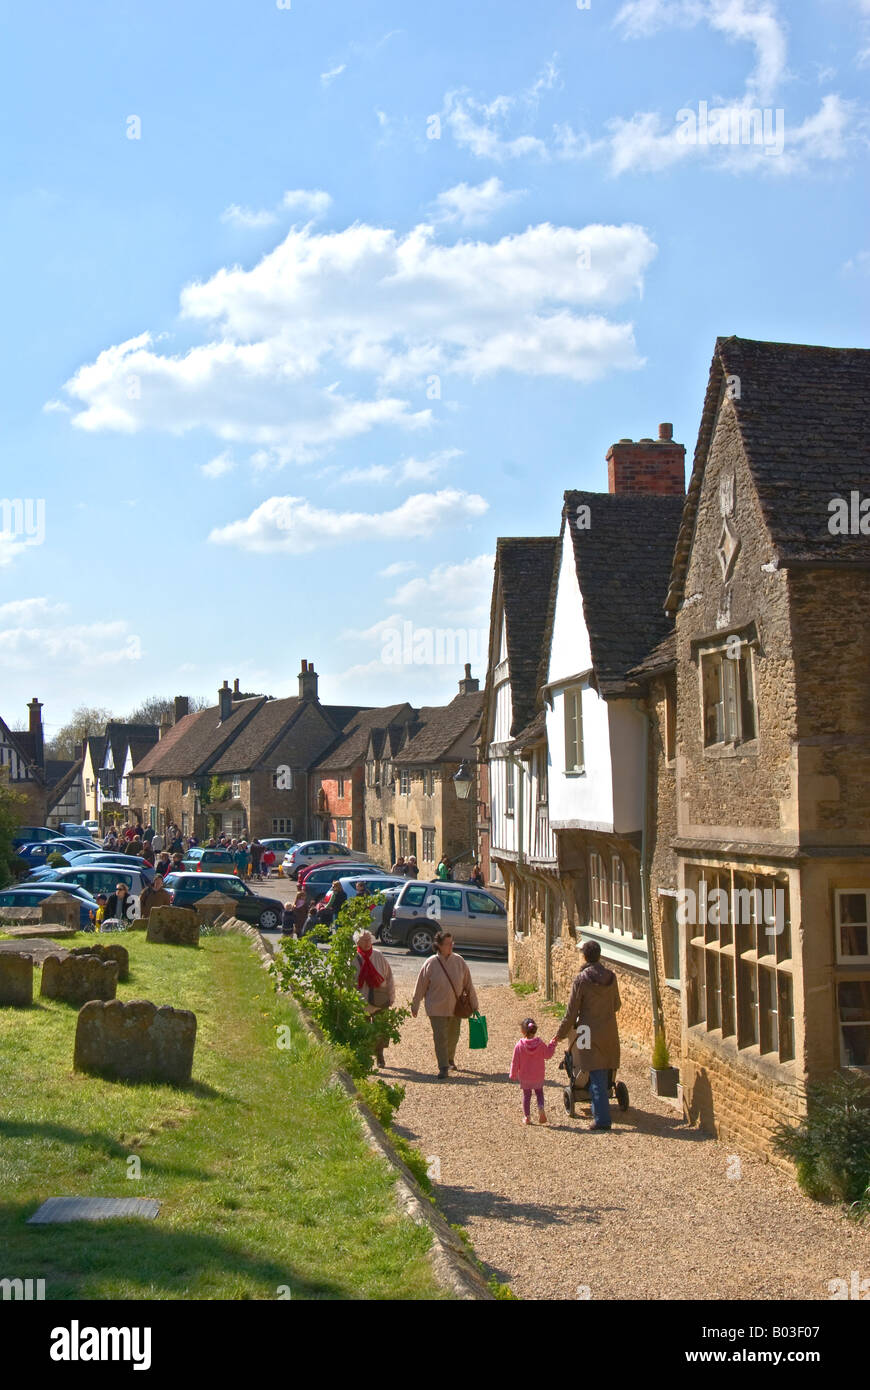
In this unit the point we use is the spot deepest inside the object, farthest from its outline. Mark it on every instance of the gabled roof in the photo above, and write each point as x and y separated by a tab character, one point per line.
96	745
60	775
441	729
341	715
22	741
623	560
192	744
350	749
803	414
526	570
251	744
663	657
119	734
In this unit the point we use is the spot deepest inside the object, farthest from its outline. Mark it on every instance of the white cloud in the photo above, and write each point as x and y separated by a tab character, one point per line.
858	264
472	204
397	568
220	465
389	307
457	591
327	77
27	612
750	21
246	217
377	473
480	128
407	470
27	646
293	524
56	408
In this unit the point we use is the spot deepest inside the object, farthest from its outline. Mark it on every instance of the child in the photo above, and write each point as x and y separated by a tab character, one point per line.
267	860
101	901
528	1066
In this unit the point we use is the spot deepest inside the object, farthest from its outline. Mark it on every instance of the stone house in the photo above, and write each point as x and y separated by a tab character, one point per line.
260	750
338	783
123	745
770	592
412	806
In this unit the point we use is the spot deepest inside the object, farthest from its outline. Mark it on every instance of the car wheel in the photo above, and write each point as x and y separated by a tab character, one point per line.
389	935
268	919
421	941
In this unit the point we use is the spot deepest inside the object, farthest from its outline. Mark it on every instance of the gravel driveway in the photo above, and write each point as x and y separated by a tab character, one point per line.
647	1211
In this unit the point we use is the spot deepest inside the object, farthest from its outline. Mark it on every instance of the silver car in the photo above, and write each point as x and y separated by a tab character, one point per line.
477	919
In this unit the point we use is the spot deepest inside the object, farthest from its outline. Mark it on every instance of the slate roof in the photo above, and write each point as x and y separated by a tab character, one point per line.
803	414
351	748
623	561
59	777
534	732
97	745
251	744
663	657
441	728
526	569
195	740
119	734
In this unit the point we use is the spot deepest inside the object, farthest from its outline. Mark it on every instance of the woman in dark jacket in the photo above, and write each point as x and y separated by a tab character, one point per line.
118	903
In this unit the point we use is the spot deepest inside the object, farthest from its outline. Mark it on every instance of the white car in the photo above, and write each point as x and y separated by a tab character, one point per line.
92	825
309	852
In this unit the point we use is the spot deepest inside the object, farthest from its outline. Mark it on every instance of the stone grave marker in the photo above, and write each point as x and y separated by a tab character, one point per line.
76	979
16	978
135	1041
108	952
173	926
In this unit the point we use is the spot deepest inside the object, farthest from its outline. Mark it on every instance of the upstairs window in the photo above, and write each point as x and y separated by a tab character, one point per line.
510	789
852	921
404	783
728	694
341	786
574	730
237	787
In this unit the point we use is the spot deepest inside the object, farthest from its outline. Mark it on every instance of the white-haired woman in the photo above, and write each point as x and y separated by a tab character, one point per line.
374	980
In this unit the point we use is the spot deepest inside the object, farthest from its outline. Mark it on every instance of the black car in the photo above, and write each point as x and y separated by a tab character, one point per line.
260	911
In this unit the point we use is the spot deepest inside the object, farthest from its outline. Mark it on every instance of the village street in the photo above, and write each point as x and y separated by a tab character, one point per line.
652	1210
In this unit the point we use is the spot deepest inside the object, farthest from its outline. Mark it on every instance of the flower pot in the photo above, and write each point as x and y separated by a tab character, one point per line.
664	1081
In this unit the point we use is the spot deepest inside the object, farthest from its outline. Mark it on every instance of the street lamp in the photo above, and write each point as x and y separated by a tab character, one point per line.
463	782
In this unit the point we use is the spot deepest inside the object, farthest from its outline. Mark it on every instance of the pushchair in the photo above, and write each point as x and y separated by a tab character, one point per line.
578	1084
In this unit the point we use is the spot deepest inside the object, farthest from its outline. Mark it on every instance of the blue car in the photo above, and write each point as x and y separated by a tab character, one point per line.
37	851
33	895
26	834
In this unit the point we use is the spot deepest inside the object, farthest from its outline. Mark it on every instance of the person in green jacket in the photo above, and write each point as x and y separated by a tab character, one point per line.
445	868
242	859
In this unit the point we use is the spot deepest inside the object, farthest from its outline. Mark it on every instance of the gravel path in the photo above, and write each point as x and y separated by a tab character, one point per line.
646	1211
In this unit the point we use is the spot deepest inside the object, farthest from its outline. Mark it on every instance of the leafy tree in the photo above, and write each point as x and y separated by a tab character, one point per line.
831	1145
11	806
86	721
152	710
215	791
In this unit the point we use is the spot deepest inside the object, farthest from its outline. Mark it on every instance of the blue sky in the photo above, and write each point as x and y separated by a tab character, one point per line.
305	306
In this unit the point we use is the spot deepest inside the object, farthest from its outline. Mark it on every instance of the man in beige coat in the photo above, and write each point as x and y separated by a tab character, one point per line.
592	1011
440	982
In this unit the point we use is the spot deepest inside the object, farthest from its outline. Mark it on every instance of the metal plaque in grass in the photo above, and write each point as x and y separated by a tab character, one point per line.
57	1209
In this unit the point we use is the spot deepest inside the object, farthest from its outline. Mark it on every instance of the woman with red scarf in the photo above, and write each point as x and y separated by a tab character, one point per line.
374	980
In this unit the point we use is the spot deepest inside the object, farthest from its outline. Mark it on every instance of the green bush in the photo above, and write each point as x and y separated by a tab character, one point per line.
830	1147
56	860
324	982
381	1098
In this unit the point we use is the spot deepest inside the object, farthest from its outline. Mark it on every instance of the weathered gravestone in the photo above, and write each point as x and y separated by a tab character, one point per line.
16	978
113	952
78	978
135	1041
31	916
173	926
62	909
214	905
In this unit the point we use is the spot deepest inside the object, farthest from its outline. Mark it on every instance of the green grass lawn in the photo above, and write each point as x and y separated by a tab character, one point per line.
263	1174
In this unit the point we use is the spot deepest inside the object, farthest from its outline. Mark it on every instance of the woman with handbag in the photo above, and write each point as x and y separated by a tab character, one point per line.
446	985
374	980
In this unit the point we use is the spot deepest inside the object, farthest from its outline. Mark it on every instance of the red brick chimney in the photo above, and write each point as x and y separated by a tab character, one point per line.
308	681
650	465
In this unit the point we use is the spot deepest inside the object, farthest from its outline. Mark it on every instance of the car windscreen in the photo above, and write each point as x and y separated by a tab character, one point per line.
415	894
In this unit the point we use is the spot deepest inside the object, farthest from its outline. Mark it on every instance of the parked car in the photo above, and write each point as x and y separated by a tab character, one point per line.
386	884
71	828
32	895
37	851
212	861
98	880
477	919
99	860
91	825
187	888
28	834
321	876
280	846
309	852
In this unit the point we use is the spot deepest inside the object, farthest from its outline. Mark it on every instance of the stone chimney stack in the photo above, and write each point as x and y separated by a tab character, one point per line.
225	702
308	681
236	691
35	711
649	466
182	707
470	684
165	724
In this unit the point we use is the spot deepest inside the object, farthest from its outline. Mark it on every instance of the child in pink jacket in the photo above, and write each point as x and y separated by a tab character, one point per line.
529	1065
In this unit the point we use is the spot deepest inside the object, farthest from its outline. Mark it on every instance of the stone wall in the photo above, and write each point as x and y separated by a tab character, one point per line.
737	1100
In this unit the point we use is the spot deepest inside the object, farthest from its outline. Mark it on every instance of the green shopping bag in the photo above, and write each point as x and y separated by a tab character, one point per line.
478	1035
